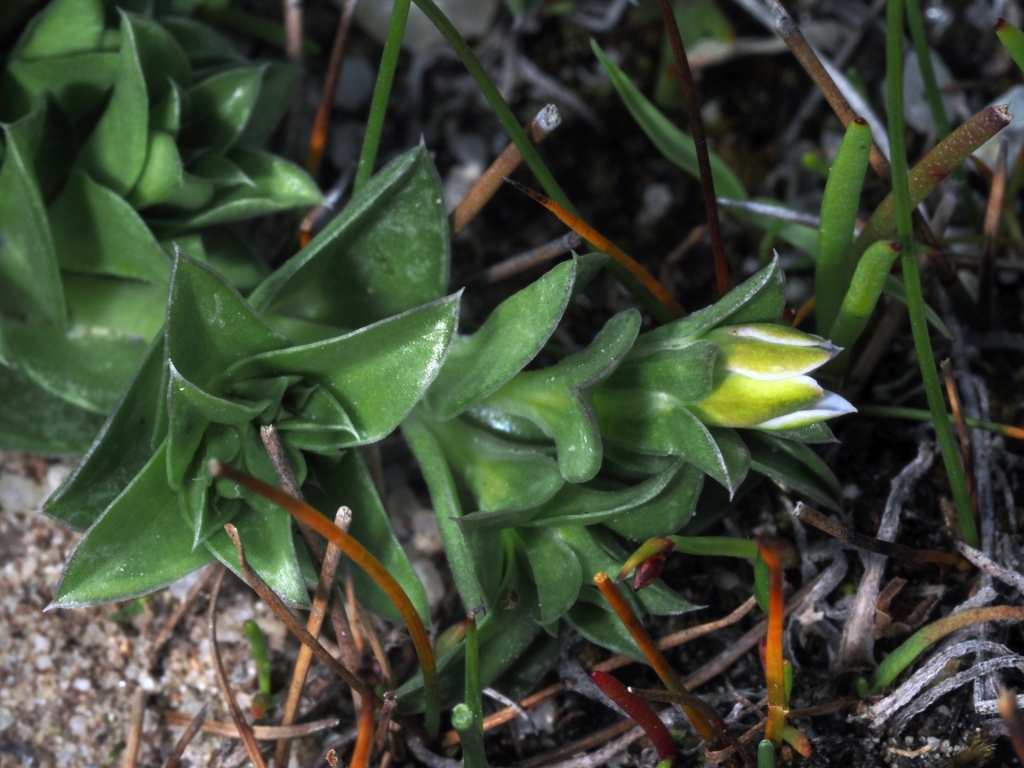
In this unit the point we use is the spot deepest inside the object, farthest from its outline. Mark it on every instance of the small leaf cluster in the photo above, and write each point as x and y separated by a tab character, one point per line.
127	134
539	475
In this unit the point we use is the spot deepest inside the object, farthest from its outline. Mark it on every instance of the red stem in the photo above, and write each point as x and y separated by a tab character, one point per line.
640	711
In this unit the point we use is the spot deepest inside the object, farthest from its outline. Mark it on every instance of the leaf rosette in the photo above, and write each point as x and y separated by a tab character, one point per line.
127	135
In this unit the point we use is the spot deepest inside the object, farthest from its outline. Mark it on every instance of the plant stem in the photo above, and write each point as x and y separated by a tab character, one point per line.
700	142
474	692
774	669
473	754
912	278
639	710
382	92
919	414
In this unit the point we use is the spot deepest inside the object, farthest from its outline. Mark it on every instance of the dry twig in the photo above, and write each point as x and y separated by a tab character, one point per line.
261	732
194	727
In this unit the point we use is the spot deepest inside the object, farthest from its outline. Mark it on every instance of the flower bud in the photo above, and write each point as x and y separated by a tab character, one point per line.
768	351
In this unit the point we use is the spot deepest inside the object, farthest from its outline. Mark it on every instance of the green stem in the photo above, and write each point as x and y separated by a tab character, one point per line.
919	642
474	691
715	546
931	87
912	278
381	93
765	754
526	147
473	755
919	414
258	643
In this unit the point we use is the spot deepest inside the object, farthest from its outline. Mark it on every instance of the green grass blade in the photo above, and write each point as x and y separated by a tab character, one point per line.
834	266
865	290
912	278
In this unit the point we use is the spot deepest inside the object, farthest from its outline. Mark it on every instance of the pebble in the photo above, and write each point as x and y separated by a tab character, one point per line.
656	202
81	684
6	719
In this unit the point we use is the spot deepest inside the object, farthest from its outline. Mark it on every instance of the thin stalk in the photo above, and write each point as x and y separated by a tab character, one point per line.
919	414
362	558
322	121
993	215
650	651
474	689
640	712
671	308
258	644
708	546
774	668
381	93
518	136
700	143
364	736
911	276
186	738
260	732
473	754
919	642
960	422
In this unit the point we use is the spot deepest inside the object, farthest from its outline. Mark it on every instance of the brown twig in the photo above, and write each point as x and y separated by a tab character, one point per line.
539	129
261	732
813	517
957	409
387	713
364	739
321	599
293	31
790	33
178	613
591	235
700	142
991	234
185	739
531	258
134	739
595	739
381	656
244	729
318	138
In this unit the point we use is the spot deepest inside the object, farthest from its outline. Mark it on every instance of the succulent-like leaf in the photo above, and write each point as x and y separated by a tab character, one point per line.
29	278
220	107
96	231
667	512
377	374
592	618
115	151
555	569
385	253
509	339
140	543
64	27
346	481
77	89
276	89
794	465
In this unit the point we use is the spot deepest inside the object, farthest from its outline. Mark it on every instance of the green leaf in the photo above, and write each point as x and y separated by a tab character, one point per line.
37	421
667	512
385	253
63	27
164	64
77	83
276	90
225	252
204	46
476	585
29	277
96	231
551	398
759	299
220	171
500	475
210	326
347	482
86	366
657	423
579	505
165	114
110	306
556	571
118	454
377	374
276	185
509	339
592	618
115	151
686	374
139	544
164	180
220	107
794	465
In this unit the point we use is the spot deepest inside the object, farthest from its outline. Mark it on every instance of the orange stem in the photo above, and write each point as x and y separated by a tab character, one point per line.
651	653
364	737
774	668
356	552
591	235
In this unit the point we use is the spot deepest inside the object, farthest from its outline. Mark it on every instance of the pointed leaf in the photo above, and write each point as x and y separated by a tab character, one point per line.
163	60
556	571
29	278
165	114
794	465
220	106
115	151
34	420
109	306
346	482
96	231
78	84
64	27
378	373
385	253
204	46
120	451
592	618
276	90
509	339
686	374
139	544
210	326
667	512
